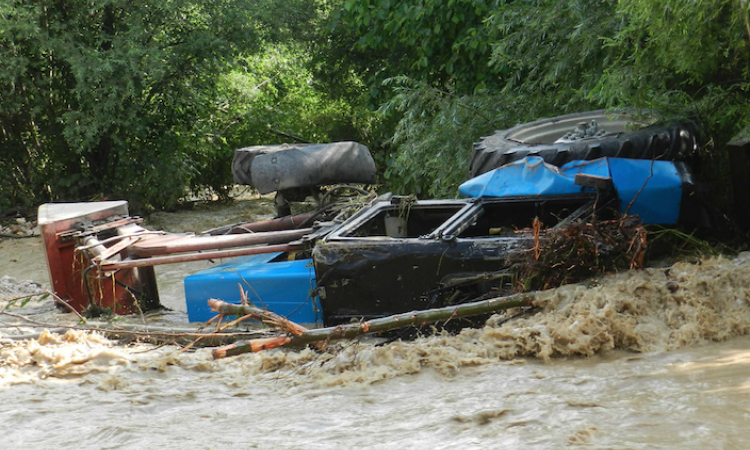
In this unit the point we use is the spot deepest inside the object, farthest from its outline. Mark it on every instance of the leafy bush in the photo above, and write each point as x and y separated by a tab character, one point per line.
541	58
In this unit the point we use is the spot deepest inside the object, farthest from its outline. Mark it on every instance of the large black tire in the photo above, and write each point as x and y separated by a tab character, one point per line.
271	168
672	142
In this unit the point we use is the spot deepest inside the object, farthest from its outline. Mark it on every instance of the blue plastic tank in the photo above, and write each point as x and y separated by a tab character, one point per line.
269	280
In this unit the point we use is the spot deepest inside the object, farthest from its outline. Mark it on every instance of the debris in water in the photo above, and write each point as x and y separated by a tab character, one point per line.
578	250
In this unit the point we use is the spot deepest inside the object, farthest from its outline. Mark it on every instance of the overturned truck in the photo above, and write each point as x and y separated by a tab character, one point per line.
395	254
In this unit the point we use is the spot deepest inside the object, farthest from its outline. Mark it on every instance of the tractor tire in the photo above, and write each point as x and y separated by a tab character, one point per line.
599	134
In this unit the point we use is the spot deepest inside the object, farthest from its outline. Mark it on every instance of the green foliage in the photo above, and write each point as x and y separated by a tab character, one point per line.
551	48
432	141
270	98
147	100
682	58
101	97
542	58
433	42
673	243
500	64
21	302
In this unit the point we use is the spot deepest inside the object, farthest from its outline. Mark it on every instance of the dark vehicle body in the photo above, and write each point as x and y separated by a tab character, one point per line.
370	267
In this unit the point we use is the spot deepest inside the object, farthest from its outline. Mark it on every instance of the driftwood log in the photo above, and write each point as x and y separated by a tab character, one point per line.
297	336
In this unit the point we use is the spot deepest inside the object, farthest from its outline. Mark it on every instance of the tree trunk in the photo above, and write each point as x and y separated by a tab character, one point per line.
348	331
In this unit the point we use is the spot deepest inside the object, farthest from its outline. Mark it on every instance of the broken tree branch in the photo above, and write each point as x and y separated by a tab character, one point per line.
348	331
265	316
133	331
66	305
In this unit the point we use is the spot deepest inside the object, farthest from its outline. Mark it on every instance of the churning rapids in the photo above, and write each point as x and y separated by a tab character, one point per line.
656	358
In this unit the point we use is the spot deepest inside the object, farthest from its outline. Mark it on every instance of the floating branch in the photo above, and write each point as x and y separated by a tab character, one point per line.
265	316
126	330
348	331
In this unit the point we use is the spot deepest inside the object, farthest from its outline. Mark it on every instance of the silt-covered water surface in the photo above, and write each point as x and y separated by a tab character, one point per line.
656	358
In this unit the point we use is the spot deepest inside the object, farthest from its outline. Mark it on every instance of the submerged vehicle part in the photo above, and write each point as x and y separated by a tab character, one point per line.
78	235
275	281
100	257
654	190
294	171
585	136
370	267
412	255
271	168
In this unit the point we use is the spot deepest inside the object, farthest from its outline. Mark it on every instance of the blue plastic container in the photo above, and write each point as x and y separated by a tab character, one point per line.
283	287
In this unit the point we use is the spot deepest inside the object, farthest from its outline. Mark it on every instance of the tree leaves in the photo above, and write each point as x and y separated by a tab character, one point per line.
145	100
430	43
108	92
537	58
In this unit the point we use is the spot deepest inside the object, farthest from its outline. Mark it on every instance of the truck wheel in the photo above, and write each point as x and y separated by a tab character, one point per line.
584	136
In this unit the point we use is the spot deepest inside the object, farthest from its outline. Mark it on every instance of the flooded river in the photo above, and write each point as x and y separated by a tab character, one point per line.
658	358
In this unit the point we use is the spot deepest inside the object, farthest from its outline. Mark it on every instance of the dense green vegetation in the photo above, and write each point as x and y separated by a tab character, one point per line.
545	58
146	100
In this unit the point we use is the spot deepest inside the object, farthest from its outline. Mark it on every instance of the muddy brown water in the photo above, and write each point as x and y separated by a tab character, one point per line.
658	358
